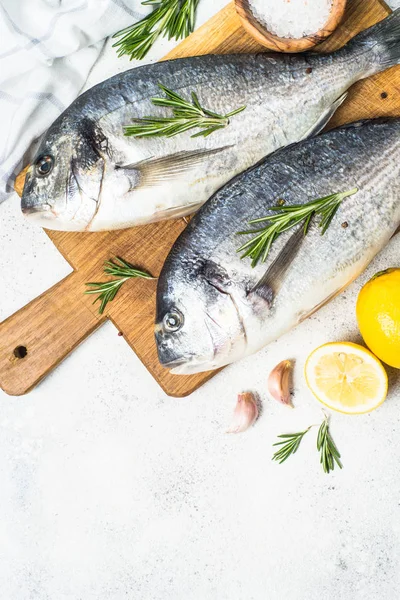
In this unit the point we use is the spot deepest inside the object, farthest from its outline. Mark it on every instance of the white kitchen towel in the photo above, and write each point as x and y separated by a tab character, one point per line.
47	49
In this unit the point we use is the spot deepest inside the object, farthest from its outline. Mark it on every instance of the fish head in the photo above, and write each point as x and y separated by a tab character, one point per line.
63	183
198	325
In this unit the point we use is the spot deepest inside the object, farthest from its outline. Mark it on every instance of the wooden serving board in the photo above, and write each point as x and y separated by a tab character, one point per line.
51	326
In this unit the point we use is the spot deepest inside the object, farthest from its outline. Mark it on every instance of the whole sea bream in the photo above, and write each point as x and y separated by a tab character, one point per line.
213	308
87	175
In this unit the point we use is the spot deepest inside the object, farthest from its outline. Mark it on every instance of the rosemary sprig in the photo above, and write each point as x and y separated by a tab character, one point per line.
329	454
185	115
259	246
327	448
170	18
107	290
290	443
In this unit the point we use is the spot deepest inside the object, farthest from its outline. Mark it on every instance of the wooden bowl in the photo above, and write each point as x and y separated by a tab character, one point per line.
279	44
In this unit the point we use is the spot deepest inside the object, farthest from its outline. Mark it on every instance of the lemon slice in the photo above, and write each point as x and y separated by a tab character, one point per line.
346	377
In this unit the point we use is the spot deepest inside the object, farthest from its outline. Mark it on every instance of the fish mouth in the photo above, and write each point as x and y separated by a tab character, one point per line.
174	363
34	210
179	363
167	358
188	367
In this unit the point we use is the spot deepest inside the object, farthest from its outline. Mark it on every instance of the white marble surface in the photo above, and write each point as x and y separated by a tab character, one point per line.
109	489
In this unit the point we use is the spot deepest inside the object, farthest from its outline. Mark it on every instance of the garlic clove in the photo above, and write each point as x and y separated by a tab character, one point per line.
245	413
279	382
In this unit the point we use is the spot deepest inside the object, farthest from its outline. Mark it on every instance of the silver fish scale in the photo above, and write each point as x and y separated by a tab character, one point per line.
223	84
365	156
101	179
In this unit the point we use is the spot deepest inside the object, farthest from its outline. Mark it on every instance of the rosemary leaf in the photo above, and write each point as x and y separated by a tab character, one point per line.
107	290
173	19
290	443
186	115
287	217
329	454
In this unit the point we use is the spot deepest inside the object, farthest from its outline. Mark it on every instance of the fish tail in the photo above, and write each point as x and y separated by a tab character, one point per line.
380	44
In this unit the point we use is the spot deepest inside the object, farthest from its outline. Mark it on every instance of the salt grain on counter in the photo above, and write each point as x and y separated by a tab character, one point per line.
291	18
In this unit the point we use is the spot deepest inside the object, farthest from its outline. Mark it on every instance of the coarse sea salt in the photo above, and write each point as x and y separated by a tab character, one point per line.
291	18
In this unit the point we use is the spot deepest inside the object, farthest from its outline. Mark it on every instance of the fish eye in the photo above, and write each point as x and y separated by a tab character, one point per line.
173	321
44	165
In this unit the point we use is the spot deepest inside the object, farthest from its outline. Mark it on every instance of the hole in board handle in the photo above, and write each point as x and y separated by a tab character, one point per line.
20	351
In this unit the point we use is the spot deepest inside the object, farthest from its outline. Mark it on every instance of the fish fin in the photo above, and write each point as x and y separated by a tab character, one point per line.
271	282
176	212
383	42
302	317
397	231
154	171
325	117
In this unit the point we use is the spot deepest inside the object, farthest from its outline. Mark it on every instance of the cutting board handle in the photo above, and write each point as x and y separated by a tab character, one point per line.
36	338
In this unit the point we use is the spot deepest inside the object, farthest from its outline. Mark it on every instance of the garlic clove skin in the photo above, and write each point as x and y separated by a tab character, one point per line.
279	382
245	413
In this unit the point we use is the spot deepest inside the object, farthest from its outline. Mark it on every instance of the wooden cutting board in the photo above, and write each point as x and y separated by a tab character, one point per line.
36	338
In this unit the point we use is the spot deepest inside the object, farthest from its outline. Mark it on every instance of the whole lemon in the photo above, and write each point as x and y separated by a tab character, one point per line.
378	315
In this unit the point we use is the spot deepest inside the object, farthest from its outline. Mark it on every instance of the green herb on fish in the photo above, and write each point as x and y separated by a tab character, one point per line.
107	290
327	448
186	115
170	18
290	443
325	445
289	216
